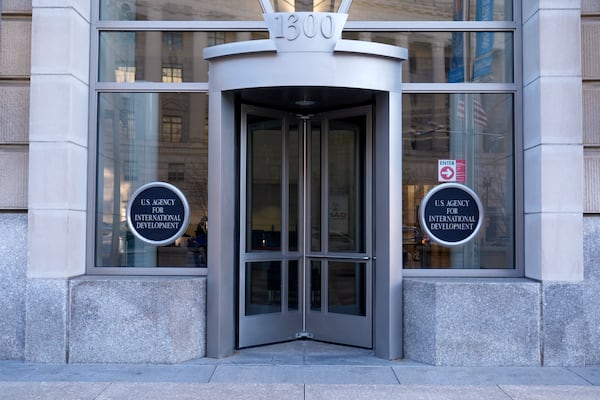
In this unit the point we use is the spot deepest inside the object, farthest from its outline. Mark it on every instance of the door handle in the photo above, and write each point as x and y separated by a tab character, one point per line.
324	257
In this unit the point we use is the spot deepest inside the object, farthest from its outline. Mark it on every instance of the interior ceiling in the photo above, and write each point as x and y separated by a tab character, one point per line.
306	99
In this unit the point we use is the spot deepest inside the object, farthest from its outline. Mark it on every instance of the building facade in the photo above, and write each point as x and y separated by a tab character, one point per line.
308	139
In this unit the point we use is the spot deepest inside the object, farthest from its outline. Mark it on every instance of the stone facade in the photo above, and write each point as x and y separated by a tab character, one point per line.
50	314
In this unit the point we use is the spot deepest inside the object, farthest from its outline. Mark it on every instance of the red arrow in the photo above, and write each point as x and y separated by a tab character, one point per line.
447	172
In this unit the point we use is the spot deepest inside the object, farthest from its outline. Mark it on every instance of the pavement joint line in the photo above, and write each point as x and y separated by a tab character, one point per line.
504	391
212	373
579	375
109	384
395	375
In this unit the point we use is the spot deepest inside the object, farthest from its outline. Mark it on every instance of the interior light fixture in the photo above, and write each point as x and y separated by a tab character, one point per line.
305	103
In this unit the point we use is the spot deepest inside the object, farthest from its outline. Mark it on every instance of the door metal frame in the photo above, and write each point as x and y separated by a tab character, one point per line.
287	323
284	321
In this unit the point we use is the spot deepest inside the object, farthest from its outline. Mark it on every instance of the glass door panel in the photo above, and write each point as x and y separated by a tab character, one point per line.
347	288
263	287
314	189
263	184
346	184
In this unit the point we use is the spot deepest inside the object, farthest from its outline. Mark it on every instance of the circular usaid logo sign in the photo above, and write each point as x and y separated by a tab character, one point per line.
451	214
158	213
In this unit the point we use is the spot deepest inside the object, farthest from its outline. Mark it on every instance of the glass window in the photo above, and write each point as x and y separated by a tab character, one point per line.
305	5
453	57
172	128
131	154
176	172
182	10
476	128
371	10
431	10
154	56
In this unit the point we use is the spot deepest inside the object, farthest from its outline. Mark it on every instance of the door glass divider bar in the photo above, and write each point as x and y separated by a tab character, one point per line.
459	87
305	267
337	257
182	25
151	87
406	87
430	26
435	273
375	26
185	272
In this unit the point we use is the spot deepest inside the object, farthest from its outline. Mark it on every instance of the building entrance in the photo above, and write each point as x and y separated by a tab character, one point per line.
305	263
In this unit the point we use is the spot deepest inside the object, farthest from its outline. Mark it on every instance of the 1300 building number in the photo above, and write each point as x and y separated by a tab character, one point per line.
291	26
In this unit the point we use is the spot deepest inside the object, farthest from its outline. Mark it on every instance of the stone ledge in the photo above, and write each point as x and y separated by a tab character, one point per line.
472	322
137	319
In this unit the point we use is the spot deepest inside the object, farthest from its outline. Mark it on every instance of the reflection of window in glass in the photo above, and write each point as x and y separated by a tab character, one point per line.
172	73
172	41
125	74
172	128
172	50
130	170
215	38
176	172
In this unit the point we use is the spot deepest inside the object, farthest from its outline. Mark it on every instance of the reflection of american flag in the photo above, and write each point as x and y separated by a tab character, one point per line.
479	114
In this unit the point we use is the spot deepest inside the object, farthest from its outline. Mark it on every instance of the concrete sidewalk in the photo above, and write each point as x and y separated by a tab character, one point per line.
297	370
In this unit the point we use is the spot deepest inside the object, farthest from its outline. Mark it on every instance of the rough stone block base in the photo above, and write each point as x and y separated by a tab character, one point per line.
46	320
471	322
13	266
137	320
563	324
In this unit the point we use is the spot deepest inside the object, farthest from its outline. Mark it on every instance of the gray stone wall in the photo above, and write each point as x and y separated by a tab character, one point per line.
46	320
13	266
470	322
563	324
591	291
137	319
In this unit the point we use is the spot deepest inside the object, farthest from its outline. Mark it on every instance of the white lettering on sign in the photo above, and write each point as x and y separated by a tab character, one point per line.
157	225
157	202
158	219
452	220
309	25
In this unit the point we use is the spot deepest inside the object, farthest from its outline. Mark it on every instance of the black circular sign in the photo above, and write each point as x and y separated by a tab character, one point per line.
451	214
158	213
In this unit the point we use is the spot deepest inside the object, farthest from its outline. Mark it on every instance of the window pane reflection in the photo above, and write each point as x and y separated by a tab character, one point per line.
138	144
453	57
433	10
182	10
371	10
477	128
152	56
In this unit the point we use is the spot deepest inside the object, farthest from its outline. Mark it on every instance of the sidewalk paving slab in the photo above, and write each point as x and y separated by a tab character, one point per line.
552	392
420	375
297	370
304	374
